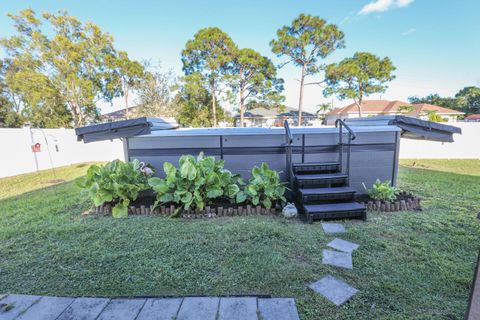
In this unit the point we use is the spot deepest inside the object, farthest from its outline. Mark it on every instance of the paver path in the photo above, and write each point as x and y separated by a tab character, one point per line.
336	290
28	307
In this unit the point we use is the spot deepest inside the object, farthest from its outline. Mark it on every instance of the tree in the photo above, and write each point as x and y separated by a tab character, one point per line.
323	108
437	100
433	116
306	40
193	102
209	53
10	116
129	74
253	77
154	93
406	109
272	100
70	58
358	77
469	99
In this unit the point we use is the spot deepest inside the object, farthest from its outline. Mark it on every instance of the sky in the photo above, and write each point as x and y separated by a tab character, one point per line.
434	44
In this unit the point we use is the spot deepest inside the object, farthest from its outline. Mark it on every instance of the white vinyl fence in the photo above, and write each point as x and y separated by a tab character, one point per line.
466	145
58	147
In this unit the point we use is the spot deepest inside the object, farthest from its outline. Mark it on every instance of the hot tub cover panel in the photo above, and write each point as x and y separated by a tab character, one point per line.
122	129
412	128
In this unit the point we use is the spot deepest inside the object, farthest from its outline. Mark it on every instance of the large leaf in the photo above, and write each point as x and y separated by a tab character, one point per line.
232	190
214	193
116	181
169	169
188	170
267	203
120	211
240	197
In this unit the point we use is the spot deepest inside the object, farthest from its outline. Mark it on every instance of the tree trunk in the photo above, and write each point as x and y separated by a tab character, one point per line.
300	99
214	107
127	115
242	106
77	115
359	107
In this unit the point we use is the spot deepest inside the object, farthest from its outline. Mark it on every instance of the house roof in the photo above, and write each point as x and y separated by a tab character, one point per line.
387	107
473	117
273	113
119	114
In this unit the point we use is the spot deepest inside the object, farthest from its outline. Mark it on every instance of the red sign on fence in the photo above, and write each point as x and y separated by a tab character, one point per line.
36	147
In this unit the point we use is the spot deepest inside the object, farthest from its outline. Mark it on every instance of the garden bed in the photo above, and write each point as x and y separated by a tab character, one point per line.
405	201
209	211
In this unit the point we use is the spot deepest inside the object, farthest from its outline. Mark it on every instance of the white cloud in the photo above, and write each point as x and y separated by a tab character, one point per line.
409	31
384	5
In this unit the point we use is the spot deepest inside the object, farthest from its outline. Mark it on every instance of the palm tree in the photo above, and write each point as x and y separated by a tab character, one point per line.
322	109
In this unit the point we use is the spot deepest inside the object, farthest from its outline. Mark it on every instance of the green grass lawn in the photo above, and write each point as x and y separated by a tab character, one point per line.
410	265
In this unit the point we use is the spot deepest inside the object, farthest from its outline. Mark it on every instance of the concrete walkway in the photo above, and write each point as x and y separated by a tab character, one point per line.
26	307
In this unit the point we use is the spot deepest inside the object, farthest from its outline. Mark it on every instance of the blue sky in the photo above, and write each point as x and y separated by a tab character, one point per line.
435	44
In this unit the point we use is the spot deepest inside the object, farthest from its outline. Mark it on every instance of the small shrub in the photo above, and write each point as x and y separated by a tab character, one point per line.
195	182
382	191
117	183
264	187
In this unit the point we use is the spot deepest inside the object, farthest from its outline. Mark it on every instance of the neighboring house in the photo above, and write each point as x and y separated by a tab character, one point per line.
372	108
263	117
473	118
118	115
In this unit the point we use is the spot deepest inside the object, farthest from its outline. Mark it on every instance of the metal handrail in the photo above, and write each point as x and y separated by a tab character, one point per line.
342	123
351	136
288	148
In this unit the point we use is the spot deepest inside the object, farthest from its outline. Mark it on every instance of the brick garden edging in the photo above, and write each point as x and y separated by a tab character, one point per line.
208	212
408	202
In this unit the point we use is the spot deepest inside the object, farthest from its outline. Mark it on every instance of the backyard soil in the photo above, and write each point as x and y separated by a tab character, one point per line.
405	201
219	208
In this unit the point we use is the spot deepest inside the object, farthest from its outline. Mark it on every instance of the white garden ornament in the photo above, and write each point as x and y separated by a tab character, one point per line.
289	211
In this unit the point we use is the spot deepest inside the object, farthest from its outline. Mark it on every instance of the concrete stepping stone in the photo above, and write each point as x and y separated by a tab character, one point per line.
337	259
343	245
198	308
277	309
46	308
122	309
19	303
333	289
84	309
159	309
329	227
238	309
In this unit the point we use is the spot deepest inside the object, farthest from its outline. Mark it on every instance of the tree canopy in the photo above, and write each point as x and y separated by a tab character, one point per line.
209	54
469	99
59	66
358	76
304	42
193	103
466	100
436	99
128	75
154	93
253	77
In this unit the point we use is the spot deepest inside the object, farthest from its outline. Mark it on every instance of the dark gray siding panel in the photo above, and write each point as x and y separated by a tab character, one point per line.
175	142
366	167
372	155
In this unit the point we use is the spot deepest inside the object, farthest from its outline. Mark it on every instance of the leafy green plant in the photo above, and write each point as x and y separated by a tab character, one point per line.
117	183
264	187
195	182
382	191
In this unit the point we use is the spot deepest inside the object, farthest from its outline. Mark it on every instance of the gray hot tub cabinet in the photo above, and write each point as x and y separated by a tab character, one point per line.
374	152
